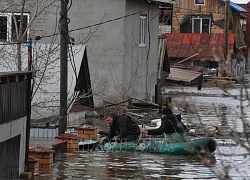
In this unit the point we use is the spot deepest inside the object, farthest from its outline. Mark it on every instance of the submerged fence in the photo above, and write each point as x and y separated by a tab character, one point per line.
43	133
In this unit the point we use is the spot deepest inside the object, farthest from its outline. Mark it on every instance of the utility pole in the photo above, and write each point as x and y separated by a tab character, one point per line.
226	30
64	67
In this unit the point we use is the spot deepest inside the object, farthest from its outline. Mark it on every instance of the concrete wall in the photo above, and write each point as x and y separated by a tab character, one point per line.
118	67
12	129
140	63
76	118
105	43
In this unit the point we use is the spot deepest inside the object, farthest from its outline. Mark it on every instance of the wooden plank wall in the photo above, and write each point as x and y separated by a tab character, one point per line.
214	7
183	7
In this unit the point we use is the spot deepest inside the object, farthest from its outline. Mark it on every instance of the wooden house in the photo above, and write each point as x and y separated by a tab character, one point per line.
197	33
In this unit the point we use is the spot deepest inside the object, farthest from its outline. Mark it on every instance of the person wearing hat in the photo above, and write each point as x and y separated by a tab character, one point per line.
171	127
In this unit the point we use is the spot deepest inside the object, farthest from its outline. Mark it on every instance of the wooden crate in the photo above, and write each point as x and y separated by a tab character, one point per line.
71	139
87	133
87	136
33	165
44	154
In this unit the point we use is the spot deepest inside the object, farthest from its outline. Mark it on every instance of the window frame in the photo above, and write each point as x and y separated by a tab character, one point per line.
201	24
9	24
199	4
142	31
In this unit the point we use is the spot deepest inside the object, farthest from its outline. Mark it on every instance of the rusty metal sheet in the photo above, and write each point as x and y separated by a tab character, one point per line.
181	45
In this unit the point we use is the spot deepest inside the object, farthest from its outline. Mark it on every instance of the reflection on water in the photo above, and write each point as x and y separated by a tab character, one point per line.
128	165
136	165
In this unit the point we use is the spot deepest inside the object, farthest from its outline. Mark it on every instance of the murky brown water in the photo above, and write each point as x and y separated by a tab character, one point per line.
124	165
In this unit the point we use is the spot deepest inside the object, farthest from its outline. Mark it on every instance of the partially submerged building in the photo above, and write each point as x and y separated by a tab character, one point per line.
15	103
197	34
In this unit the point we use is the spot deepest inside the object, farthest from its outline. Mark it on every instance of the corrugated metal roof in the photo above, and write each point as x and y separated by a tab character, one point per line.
177	74
188	44
236	7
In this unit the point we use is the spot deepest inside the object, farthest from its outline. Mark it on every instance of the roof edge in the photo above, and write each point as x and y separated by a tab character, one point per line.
162	1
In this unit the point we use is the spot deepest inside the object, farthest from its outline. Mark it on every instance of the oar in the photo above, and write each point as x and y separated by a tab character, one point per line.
141	135
135	119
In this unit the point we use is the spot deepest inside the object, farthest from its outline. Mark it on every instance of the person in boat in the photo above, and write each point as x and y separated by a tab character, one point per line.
173	108
175	111
121	126
172	128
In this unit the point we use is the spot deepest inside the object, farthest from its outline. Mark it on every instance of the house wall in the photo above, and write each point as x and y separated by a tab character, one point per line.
211	7
183	7
76	118
112	49
140	63
247	35
117	65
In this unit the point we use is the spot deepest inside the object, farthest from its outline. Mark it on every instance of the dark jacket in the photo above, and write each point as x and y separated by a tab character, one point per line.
170	124
124	128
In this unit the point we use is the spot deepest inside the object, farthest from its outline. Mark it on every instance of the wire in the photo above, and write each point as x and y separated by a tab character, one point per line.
108	21
97	24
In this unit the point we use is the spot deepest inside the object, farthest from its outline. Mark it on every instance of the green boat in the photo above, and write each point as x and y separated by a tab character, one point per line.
161	146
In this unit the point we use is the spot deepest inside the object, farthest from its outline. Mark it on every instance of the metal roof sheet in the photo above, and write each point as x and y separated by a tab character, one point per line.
236	7
177	74
207	46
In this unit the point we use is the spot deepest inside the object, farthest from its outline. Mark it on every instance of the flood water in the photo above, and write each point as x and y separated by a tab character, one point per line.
228	158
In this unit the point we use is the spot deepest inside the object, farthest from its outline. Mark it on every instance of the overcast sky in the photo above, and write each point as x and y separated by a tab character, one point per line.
240	1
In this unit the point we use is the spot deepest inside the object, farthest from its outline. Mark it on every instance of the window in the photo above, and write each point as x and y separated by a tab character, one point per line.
3	28
201	25
199	2
142	41
165	20
7	26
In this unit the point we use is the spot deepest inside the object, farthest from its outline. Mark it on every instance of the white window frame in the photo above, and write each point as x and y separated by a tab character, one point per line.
9	24
142	31
199	4
200	23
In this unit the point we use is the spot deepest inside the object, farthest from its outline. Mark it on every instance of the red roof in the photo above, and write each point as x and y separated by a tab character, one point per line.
182	45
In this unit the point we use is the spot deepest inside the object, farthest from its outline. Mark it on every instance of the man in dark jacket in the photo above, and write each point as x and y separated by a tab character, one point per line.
171	127
122	127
